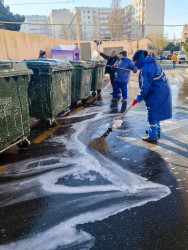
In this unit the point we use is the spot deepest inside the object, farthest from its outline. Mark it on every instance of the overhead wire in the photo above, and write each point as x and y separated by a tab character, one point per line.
40	3
113	24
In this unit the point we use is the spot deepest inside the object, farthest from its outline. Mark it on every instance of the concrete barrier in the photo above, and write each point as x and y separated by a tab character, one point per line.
18	45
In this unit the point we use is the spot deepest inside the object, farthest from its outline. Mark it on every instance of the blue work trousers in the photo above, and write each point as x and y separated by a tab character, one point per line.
154	128
122	86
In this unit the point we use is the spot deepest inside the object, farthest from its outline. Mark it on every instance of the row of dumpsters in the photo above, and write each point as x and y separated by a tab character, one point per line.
42	89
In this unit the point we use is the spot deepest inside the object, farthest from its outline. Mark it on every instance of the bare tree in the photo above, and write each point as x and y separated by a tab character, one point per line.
186	46
116	17
64	32
158	40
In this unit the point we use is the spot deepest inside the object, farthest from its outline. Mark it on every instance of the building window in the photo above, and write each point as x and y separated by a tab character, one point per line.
88	11
88	17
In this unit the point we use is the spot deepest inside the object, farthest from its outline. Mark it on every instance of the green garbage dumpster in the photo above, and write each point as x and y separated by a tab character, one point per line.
49	90
14	110
97	76
81	80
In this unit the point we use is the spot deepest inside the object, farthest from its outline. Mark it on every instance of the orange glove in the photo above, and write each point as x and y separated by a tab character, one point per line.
134	102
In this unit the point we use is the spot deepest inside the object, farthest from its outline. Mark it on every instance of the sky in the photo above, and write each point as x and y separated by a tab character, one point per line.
175	10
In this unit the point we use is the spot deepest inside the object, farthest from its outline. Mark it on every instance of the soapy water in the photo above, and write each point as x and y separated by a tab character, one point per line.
98	188
95	54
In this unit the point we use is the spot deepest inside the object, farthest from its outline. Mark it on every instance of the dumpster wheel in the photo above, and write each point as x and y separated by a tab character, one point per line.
25	143
52	122
98	91
93	93
84	100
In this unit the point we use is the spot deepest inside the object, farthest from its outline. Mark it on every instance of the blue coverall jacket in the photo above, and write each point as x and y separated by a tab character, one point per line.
155	90
123	75
41	57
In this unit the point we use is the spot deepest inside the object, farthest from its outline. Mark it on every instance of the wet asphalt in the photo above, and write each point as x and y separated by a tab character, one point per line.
26	209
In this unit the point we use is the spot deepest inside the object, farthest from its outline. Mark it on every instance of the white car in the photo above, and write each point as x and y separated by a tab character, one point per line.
182	57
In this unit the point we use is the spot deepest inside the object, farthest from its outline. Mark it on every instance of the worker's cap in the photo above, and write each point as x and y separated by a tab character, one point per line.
124	53
42	52
138	53
113	51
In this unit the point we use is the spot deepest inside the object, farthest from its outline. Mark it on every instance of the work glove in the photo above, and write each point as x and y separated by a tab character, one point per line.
113	66
134	70
134	102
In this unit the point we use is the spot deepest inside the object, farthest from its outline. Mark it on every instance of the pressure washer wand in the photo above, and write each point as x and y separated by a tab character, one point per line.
114	67
117	67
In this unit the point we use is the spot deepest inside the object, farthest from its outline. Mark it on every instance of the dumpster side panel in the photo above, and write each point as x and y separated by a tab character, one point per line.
60	92
10	113
49	87
97	76
94	79
100	77
87	79
22	86
39	92
76	83
81	79
69	78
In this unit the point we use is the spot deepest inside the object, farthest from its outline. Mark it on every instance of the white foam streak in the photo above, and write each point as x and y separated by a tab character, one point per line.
130	190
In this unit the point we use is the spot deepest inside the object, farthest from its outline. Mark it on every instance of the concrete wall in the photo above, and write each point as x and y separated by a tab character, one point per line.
19	46
129	45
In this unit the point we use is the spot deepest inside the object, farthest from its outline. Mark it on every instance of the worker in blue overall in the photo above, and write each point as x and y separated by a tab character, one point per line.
155	91
42	54
122	76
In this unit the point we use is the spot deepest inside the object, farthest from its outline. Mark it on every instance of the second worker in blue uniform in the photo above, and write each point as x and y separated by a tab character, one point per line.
122	75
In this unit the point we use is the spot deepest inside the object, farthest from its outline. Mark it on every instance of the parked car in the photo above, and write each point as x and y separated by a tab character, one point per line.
160	57
168	57
182	57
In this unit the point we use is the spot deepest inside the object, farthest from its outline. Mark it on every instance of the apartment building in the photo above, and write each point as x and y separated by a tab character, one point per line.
185	32
96	23
42	29
127	17
64	17
97	17
141	12
134	16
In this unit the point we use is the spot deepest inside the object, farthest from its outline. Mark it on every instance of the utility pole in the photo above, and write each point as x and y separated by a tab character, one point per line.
69	34
69	27
78	30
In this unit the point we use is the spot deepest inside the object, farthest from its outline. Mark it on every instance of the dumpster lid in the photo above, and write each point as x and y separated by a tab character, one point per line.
97	62
82	64
52	64
13	68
